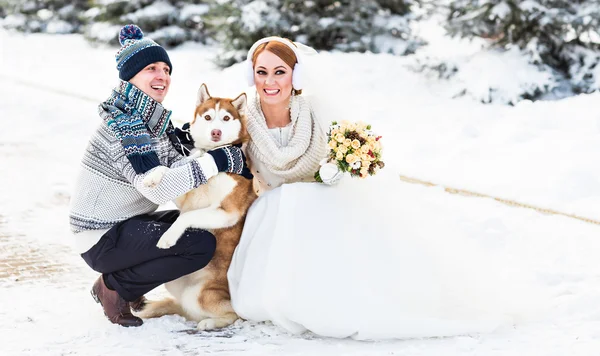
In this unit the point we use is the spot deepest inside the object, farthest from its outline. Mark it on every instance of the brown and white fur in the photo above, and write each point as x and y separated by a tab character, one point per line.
218	206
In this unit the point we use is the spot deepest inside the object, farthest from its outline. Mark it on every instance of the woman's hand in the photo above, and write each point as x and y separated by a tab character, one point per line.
330	173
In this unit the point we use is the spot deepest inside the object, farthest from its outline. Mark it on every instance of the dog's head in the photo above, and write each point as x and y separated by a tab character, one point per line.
218	121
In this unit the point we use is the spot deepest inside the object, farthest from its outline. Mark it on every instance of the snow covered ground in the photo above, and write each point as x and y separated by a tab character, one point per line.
542	153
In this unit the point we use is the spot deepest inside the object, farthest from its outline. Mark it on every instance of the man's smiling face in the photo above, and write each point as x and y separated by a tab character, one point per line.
154	80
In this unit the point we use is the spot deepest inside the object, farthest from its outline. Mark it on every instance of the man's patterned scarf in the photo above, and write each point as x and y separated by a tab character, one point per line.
135	118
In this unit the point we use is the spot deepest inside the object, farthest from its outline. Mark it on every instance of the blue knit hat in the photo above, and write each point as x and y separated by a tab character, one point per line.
137	52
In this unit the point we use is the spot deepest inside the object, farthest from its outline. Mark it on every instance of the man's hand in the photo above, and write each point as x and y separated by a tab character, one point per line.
182	140
231	159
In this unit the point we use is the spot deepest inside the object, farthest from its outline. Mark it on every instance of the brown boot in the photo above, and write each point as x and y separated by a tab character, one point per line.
116	308
138	304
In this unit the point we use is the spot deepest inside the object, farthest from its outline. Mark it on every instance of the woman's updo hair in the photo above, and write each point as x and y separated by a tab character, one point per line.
280	50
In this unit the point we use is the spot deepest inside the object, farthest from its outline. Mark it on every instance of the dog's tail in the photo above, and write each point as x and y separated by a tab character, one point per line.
158	308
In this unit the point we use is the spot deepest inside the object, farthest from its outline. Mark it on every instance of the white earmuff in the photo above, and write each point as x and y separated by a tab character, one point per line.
250	72
297	76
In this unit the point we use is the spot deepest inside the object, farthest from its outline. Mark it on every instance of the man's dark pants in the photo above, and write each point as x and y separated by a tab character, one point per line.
131	263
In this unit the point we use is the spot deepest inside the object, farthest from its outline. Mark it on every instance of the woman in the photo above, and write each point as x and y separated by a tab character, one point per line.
343	260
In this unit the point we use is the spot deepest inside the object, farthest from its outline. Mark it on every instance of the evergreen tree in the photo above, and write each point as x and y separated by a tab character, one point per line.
56	16
561	34
345	25
169	22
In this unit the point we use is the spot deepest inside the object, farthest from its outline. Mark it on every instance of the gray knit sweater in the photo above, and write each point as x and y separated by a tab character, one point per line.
108	190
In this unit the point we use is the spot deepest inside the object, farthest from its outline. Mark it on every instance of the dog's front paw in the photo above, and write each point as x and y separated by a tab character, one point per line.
155	176
207	324
168	239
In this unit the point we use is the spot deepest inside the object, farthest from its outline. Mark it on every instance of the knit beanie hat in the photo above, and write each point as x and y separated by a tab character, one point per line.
137	52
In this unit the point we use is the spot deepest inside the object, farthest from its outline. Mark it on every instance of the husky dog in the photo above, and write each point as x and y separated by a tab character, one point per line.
218	206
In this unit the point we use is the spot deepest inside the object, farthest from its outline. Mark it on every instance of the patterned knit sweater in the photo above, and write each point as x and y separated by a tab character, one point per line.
108	190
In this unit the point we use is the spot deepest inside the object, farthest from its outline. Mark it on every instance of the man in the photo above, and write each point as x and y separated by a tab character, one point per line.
113	215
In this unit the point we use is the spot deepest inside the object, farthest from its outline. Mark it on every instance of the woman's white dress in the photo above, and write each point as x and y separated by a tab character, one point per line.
369	260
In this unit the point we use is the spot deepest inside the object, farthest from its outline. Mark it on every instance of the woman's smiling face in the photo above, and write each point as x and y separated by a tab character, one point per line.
273	78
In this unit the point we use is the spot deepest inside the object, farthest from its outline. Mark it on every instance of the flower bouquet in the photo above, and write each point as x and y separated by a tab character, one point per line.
353	148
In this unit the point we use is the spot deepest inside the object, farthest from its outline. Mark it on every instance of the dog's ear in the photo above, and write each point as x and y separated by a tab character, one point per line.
203	94
239	103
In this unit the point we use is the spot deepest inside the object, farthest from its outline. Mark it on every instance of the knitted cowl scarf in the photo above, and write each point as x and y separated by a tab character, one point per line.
306	147
134	118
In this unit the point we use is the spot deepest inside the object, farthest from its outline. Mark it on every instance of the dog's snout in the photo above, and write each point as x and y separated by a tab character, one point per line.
216	133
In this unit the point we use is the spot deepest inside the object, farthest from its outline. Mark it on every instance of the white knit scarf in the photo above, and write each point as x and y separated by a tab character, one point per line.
306	146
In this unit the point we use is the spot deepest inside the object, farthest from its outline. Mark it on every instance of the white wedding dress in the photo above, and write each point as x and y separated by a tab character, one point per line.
368	259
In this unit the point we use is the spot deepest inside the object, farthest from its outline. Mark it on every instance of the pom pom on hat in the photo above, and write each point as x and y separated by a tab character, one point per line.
137	52
130	32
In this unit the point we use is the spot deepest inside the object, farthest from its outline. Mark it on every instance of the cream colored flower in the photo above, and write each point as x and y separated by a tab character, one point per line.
365	164
333	144
365	149
347	142
355	144
364	173
339	156
343	149
340	137
351	158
